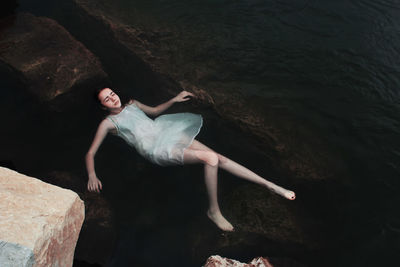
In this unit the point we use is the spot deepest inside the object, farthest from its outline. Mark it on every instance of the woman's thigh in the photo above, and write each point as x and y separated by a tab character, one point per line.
196	145
191	156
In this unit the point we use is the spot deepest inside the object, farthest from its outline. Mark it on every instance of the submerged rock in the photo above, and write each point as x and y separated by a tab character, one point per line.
150	57
257	211
40	223
45	57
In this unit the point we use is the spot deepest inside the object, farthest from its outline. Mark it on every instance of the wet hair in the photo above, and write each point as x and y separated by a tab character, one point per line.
96	95
98	101
120	92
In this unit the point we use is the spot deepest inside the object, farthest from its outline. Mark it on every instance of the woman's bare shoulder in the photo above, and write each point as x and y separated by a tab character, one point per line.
106	124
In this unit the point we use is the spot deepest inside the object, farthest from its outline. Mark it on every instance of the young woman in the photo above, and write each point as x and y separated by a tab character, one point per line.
168	140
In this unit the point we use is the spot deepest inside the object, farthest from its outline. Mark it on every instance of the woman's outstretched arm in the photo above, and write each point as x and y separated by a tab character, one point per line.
94	184
155	111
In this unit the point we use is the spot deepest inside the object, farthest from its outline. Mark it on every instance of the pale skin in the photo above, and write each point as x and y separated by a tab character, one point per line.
195	153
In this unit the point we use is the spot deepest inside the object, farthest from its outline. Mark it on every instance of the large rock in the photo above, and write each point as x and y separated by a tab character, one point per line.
40	223
45	57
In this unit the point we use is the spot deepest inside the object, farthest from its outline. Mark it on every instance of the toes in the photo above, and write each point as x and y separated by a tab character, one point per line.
221	222
228	229
290	195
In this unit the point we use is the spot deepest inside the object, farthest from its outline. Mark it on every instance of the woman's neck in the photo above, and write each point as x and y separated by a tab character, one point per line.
115	111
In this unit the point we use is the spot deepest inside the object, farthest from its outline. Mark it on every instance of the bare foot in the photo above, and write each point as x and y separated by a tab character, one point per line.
284	192
290	195
220	221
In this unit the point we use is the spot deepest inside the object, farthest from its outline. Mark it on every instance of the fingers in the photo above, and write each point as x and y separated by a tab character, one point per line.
90	187
189	94
186	93
185	96
95	186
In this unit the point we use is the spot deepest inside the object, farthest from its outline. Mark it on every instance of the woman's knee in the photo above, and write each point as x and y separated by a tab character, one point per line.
214	159
197	145
222	159
209	157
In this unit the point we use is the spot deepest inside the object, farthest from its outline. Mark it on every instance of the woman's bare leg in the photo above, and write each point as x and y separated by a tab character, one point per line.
242	172
210	160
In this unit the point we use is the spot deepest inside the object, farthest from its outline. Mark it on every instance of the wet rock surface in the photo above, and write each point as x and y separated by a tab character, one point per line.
45	57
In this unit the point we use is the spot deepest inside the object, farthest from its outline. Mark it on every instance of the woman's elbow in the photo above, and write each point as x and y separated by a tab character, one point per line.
89	155
156	111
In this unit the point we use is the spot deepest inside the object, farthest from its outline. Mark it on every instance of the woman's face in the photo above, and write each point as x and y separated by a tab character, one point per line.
109	99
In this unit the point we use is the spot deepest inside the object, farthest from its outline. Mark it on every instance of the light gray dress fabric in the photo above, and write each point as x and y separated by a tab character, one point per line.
162	140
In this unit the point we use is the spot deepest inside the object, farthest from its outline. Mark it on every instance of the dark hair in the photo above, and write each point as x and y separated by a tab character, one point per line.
96	95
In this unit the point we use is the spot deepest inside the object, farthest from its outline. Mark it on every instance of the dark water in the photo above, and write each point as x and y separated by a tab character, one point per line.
334	65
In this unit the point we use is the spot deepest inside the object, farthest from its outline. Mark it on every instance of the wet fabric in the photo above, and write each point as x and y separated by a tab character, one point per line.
162	140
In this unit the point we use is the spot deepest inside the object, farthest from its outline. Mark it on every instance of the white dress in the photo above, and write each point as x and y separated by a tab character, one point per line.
162	140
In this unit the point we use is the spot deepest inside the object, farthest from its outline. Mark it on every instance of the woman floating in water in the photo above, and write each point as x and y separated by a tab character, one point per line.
168	140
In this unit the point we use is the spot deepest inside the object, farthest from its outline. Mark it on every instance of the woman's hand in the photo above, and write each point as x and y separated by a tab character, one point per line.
94	184
183	96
